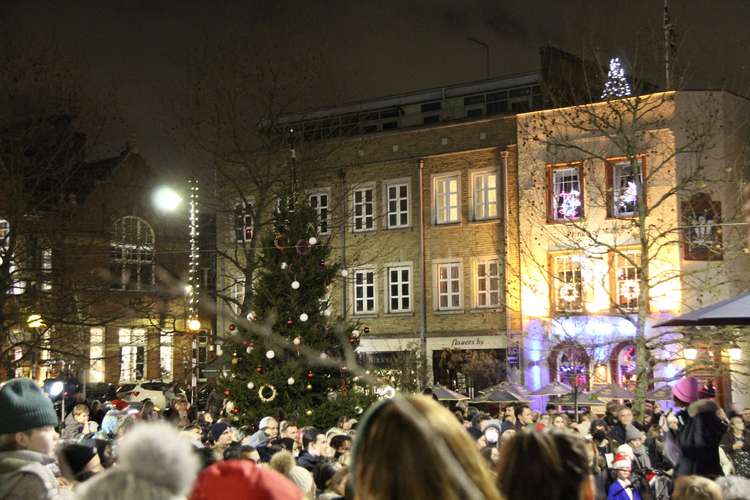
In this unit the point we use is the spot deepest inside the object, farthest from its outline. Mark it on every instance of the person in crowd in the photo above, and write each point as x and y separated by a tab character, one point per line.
77	423
27	442
737	446
545	420
79	461
97	412
610	413
491	455
193	434
148	412
283	463
734	487
268	430
341	444
336	486
510	419
182	414
475	429
622	488
561	423
221	437
322	474
639	460
702	425
597	468
599	432
746	417
153	463
696	488
560	467
242	452
313	449
433	455
617	431
657	452
525	418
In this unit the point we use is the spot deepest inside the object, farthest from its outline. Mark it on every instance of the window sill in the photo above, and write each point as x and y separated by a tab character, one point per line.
396	228
477	222
364	231
448	311
581	220
399	314
371	315
483	310
446	224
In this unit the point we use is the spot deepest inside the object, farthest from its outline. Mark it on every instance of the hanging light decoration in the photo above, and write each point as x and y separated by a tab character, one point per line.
691	353
193	322
735	352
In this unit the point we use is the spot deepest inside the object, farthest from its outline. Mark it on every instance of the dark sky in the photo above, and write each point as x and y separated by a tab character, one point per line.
141	47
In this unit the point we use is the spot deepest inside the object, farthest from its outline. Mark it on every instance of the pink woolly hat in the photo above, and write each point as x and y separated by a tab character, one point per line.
686	389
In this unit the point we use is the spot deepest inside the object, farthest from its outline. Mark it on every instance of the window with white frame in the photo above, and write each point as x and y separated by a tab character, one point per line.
166	356
319	203
364	291
399	289
567	283
243	222
363	202
96	355
488	283
132	260
625	176
627	279
447	204
566	200
397	204
132	353
484	190
449	286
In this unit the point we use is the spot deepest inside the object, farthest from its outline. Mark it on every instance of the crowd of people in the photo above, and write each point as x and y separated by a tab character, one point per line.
407	447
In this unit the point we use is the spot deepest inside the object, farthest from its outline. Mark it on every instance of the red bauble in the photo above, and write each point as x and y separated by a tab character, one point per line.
289	322
227	392
310	375
235	410
259	369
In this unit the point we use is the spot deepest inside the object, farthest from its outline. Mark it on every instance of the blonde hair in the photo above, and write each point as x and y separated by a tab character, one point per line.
696	488
411	447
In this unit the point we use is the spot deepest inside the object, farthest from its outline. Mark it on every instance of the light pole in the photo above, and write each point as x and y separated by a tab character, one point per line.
169	200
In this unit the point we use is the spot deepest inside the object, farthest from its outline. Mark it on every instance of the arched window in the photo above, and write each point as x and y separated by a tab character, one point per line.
132	262
626	367
570	364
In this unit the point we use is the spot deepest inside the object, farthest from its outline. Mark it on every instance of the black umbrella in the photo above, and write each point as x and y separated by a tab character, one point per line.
614	391
445	394
552	389
500	396
734	311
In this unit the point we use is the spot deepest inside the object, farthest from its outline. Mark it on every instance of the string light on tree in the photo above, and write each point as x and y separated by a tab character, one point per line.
193	288
617	85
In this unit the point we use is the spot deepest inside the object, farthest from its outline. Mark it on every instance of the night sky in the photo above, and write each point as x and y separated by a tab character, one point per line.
142	48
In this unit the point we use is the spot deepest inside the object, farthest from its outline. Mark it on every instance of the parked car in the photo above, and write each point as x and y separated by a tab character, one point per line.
143	390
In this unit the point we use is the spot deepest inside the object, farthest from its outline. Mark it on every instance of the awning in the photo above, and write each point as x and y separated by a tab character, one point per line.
734	311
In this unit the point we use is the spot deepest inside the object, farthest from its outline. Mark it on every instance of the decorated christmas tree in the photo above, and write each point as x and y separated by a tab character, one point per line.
292	368
617	85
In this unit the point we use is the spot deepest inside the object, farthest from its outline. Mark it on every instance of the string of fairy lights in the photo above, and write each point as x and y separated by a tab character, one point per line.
193	288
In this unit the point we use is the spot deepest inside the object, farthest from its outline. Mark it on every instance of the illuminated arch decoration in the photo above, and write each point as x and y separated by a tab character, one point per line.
570	363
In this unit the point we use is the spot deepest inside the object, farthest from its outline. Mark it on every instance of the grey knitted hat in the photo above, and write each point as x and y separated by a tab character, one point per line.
23	406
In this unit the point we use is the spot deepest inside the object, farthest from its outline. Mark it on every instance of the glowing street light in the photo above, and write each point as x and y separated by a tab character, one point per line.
735	352
167	199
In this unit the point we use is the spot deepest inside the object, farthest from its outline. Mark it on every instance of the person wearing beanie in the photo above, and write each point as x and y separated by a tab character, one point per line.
622	488
154	463
221	436
27	443
80	461
242	479
701	427
283	463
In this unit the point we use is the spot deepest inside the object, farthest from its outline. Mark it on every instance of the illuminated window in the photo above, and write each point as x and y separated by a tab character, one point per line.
399	289
702	228
46	267
567	283
364	291
397	204
319	203
624	198
627	280
573	367
449	286
626	367
566	194
488	283
243	222
484	191
96	355
166	357
363	209
132	260
447	204
132	353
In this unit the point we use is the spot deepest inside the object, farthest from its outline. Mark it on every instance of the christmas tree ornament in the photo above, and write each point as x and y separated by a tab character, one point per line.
327	313
358	410
270	354
296	341
310	375
295	285
284	265
258	369
289	322
323	355
235	410
251	316
303	317
278	242
290	381
303	248
249	349
227	392
355	333
309	387
313	240
250	386
344	273
267	393
309	412
235	361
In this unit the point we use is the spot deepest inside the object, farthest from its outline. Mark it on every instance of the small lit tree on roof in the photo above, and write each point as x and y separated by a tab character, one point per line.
617	85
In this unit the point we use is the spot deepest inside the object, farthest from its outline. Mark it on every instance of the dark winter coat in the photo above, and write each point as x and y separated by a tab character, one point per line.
24	475
617	435
307	461
71	429
698	437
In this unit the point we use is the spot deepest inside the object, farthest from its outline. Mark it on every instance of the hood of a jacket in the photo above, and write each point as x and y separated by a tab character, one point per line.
11	461
702	406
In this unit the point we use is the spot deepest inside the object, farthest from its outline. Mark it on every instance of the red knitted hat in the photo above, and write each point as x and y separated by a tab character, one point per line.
621	462
243	480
